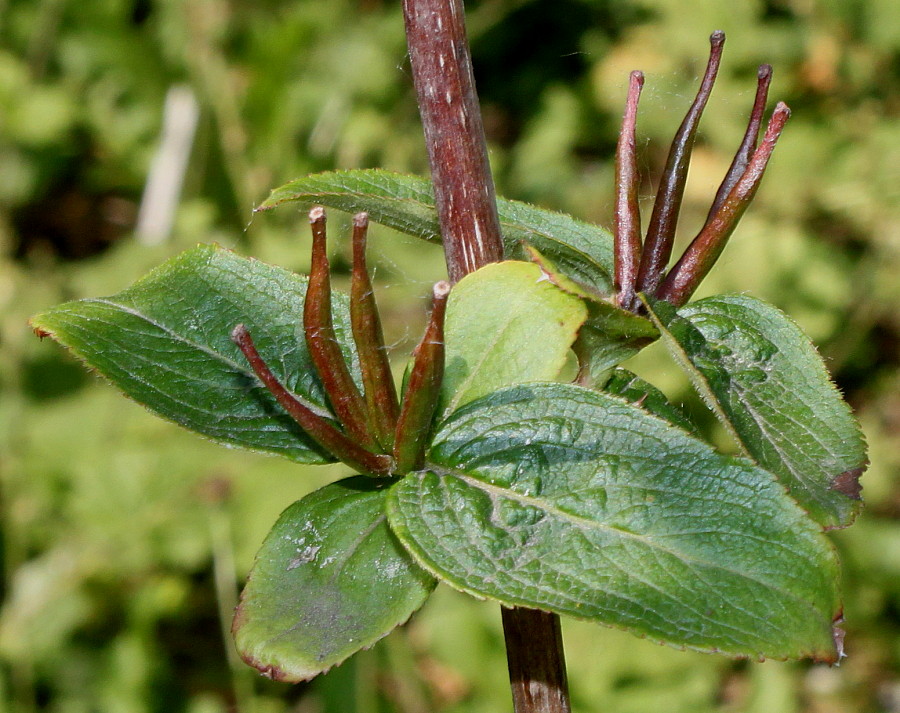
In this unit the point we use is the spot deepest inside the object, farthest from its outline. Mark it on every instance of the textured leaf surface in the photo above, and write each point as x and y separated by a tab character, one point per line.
635	390
166	343
329	580
565	499
406	203
505	325
769	386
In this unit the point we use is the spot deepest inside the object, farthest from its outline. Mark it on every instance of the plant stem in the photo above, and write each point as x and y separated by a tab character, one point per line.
464	193
537	671
454	135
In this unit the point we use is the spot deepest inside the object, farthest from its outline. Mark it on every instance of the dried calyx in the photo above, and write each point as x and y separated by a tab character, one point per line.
370	430
640	265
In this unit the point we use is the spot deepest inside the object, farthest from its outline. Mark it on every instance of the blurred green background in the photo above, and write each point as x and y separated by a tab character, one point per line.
124	540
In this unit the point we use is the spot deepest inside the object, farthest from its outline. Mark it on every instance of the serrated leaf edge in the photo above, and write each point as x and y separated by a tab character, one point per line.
202	249
275	673
390	507
513	602
701	384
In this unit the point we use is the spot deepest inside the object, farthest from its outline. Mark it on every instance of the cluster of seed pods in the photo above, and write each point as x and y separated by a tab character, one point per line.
372	430
640	265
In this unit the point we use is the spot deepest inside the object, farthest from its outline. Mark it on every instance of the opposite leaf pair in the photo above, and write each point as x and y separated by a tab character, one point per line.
543	495
571	500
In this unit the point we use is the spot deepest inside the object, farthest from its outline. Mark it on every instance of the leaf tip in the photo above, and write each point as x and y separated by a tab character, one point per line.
250	657
40	332
837	653
837	635
270	671
847	483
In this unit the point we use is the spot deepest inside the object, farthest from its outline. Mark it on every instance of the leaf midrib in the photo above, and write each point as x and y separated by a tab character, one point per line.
217	356
463	386
494	491
768	429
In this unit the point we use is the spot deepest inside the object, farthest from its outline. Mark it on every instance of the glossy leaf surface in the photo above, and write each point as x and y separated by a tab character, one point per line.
166	343
505	325
646	396
329	580
568	500
769	386
406	203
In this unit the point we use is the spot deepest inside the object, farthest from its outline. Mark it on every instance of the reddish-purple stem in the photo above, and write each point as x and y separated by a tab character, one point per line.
316	427
464	191
627	223
705	249
454	135
661	232
748	144
542	695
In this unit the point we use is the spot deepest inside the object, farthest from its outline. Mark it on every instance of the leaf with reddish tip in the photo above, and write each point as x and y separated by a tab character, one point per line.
406	203
564	499
847	483
329	580
166	343
769	387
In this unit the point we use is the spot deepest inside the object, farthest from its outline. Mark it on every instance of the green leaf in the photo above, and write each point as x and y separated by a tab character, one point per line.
568	500
505	325
768	385
406	203
635	390
166	343
329	580
609	336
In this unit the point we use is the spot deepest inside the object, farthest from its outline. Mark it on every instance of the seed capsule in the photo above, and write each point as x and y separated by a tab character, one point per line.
316	427
346	401
378	382
423	388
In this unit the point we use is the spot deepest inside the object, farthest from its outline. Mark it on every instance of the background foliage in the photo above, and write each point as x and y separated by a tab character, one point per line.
124	540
